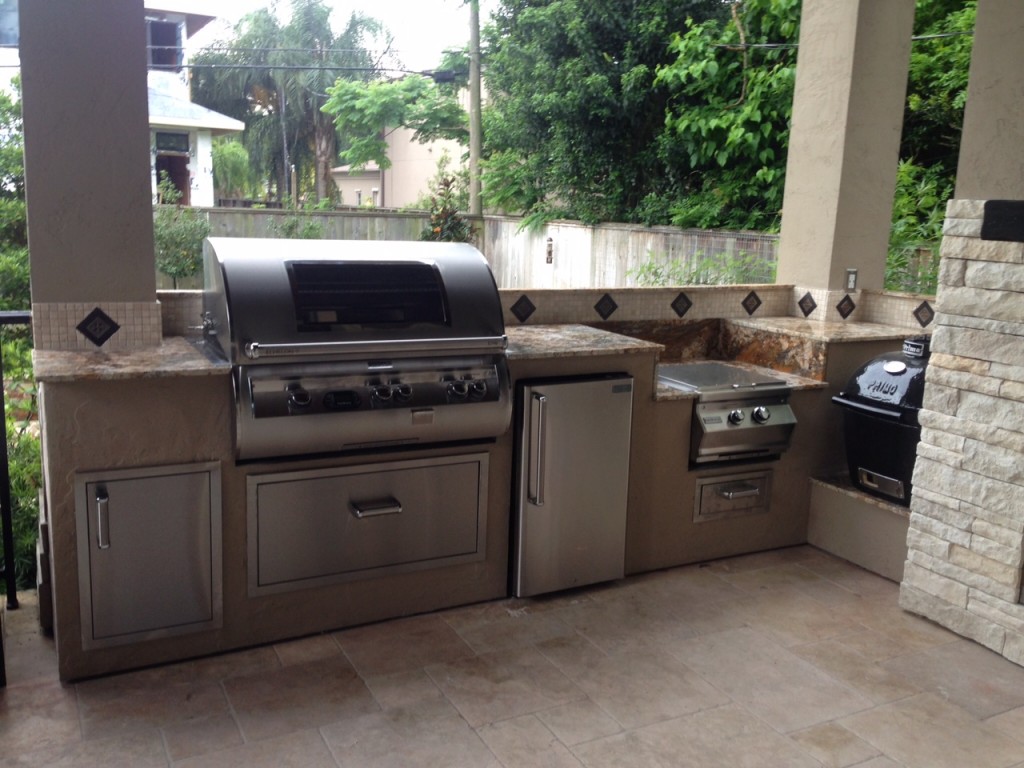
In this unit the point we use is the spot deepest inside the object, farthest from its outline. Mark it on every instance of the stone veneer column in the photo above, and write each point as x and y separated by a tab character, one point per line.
844	147
966	533
90	212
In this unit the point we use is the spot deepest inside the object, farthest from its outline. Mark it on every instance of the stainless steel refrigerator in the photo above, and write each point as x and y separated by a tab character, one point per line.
573	477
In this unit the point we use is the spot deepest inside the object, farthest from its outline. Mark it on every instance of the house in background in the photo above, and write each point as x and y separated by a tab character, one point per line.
181	133
413	166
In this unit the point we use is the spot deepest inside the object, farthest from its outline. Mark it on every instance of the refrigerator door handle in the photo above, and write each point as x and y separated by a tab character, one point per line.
538	412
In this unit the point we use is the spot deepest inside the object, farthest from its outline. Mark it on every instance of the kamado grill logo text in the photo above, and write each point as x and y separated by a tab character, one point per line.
885	388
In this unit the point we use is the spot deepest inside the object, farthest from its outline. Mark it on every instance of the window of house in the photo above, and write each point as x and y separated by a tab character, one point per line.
164	44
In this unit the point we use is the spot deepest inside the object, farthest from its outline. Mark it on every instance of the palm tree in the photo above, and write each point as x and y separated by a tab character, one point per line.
275	78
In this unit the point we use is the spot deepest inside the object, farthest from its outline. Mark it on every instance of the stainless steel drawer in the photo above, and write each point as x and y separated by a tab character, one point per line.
721	496
317	527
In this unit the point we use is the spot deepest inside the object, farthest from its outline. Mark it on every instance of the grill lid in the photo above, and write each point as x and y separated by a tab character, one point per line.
890	386
316	299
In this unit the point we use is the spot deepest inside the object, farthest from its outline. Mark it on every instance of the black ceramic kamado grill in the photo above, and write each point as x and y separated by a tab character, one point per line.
353	345
739	414
880	407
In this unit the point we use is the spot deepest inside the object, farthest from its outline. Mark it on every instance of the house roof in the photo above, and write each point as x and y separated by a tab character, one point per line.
168	111
197	12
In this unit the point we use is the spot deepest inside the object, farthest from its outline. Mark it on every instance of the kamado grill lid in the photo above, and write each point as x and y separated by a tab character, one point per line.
890	385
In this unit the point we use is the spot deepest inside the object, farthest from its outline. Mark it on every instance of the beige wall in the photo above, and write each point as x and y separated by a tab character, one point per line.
844	145
87	151
992	149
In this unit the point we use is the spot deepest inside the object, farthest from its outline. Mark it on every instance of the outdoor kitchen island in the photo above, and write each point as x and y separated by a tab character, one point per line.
125	428
145	418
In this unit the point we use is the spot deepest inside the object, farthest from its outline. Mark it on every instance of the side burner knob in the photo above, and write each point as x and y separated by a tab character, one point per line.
298	397
761	414
736	417
458	390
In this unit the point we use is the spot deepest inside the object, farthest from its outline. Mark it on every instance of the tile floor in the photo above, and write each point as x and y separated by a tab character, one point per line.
790	658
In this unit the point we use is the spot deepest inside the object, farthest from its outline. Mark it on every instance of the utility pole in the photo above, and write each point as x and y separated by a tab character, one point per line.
475	123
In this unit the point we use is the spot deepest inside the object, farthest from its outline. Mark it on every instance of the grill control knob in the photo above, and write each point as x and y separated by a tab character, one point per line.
478	389
298	397
403	392
458	390
382	393
761	414
736	417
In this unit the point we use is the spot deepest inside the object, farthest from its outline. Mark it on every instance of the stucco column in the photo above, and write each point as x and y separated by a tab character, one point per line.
90	215
991	164
844	145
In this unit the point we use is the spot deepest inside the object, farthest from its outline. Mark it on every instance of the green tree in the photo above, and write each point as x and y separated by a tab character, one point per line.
576	111
364	113
727	122
274	78
178	234
232	173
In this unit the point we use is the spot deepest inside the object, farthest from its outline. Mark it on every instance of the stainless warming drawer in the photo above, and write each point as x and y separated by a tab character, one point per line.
315	527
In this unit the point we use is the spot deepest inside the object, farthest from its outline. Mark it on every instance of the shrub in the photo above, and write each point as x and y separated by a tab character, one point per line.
446	224
178	234
720	269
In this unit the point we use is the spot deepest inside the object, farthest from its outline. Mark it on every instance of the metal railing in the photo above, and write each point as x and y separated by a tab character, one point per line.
6	512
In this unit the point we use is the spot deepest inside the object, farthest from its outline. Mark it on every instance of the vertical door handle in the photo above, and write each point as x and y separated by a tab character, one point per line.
102	519
537	449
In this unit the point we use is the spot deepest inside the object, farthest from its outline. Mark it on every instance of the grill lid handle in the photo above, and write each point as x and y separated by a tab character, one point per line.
254	350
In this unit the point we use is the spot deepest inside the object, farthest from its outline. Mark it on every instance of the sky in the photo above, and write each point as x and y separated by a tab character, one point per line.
422	29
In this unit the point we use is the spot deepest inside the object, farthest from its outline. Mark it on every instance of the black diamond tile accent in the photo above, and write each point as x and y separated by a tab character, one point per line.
681	305
845	307
523	308
606	306
751	302
98	327
924	314
807	304
1004	220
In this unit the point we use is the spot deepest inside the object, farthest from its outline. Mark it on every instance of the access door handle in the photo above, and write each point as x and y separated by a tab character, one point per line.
102	519
389	506
538	416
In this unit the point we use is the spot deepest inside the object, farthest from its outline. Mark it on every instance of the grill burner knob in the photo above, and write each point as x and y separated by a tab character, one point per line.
478	388
382	393
761	414
298	397
458	390
736	417
403	392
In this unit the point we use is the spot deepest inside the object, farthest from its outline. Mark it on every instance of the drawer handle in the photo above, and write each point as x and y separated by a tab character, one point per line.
102	520
739	491
389	506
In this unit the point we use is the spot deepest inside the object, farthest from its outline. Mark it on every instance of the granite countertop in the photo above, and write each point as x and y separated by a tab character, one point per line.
542	341
832	332
176	356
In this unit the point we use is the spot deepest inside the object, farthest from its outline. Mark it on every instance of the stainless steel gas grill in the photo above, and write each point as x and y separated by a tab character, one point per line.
739	413
343	345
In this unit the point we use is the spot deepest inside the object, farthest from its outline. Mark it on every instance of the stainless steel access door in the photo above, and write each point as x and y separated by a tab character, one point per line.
573	481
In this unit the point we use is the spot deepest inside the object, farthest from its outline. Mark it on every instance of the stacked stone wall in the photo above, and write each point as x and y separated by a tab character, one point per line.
966	533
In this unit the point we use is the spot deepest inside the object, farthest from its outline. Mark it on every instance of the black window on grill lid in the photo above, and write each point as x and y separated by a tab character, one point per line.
366	293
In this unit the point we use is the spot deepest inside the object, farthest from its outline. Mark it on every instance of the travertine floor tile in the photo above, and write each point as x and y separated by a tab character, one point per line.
638	689
773	683
306	649
834	746
516	627
193	738
925	731
794	618
967	674
524	742
139	749
718	738
427	733
628	623
499	686
863	675
300	749
38	716
578	721
301	696
402	645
